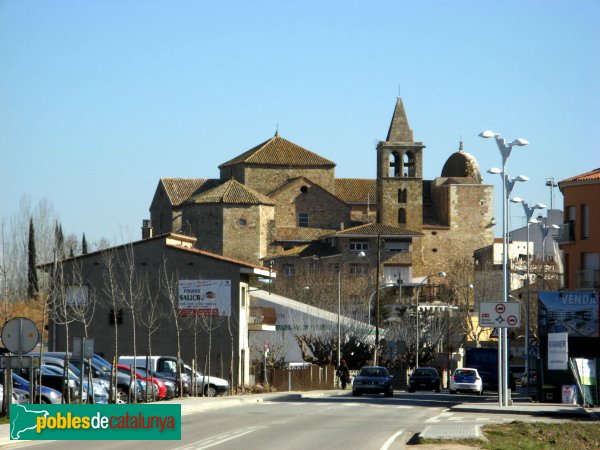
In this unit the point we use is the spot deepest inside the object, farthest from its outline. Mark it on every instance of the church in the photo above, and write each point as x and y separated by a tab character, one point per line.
280	205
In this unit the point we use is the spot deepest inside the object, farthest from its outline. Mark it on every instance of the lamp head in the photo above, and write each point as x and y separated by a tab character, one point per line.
520	142
488	134
539	206
470	286
522	178
495	171
532	220
361	254
517	200
441	274
554	226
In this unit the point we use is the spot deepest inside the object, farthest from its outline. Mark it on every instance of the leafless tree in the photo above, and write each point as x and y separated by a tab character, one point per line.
169	285
114	296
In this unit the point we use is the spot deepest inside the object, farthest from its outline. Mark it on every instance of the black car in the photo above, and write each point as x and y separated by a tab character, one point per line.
373	380
425	379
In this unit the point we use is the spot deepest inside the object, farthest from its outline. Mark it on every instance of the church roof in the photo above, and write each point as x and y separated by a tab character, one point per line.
299	234
462	165
376	229
232	192
399	130
180	189
279	151
356	190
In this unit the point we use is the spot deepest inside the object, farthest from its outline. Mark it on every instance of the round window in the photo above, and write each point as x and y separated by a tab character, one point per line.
242	222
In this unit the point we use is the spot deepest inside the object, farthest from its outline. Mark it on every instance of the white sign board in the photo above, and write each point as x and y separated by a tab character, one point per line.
204	297
500	314
558	351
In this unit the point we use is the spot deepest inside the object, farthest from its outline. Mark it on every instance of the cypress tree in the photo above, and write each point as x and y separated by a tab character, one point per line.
84	249
32	279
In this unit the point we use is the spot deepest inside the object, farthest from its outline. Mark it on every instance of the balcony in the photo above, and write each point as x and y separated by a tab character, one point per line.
566	233
587	279
262	318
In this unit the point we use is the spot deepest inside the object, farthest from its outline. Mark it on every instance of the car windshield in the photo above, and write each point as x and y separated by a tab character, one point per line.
423	372
469	373
373	372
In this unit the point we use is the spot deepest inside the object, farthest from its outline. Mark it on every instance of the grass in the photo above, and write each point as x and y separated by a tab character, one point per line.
536	436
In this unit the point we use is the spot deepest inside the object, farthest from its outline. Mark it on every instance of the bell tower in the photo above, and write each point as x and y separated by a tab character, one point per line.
400	175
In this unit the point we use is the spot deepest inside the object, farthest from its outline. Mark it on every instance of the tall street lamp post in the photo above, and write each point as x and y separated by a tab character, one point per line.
439	274
529	216
450	308
507	185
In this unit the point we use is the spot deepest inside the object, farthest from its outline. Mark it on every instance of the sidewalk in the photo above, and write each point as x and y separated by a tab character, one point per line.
446	431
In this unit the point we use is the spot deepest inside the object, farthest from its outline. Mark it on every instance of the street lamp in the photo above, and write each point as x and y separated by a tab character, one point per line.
439	274
528	214
339	329
507	185
448	309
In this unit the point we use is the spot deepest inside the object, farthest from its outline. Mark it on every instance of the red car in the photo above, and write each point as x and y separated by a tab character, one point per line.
160	385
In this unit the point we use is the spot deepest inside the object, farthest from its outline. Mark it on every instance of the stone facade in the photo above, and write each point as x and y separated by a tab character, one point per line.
295	211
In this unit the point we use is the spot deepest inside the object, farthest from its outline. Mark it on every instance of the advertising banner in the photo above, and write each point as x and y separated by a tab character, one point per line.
204	297
558	351
575	313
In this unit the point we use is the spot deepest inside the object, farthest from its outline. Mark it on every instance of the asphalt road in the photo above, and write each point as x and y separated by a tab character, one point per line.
343	422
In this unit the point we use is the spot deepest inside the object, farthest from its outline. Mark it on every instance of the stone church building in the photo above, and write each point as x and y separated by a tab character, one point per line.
281	205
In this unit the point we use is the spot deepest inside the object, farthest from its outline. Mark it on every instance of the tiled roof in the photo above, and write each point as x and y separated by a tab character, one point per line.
230	192
356	190
313	249
376	229
588	176
299	234
180	189
279	151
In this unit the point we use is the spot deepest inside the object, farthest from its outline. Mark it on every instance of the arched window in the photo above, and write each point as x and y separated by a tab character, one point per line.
395	165
409	165
402	195
402	216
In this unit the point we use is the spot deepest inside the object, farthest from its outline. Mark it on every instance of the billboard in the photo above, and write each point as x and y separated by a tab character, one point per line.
575	313
204	297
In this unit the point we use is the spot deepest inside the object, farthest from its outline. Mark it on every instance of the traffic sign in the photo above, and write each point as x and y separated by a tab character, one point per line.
500	314
20	335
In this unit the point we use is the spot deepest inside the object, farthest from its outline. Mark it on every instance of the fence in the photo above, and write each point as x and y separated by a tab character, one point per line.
302	379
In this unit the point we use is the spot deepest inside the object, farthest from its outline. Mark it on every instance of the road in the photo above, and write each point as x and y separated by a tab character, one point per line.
342	422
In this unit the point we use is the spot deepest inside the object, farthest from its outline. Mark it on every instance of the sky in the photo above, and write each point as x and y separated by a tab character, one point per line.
101	99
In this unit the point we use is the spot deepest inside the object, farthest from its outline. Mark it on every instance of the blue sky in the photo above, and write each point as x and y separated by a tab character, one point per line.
100	99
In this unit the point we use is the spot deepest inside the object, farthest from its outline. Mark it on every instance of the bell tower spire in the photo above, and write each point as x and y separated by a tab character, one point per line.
400	175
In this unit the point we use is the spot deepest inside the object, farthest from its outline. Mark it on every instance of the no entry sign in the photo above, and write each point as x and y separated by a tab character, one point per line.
500	314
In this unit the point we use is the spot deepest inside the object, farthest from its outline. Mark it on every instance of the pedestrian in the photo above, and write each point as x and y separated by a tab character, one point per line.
343	374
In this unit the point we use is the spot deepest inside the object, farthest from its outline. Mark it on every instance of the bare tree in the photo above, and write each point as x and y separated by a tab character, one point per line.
169	285
113	295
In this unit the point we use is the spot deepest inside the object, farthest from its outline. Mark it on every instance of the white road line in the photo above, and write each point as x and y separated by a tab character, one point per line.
220	439
404	407
391	440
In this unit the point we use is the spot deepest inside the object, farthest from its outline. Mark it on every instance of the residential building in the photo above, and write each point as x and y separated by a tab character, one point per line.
579	236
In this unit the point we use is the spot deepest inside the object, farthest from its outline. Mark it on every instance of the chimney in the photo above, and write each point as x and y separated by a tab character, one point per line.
146	229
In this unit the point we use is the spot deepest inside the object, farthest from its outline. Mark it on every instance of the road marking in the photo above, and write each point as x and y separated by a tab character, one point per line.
220	439
391	440
404	407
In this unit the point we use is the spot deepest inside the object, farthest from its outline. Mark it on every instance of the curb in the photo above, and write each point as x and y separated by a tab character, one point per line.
537	413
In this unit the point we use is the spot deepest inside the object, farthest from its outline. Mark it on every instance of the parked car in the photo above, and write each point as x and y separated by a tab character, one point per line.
98	390
207	384
19	396
466	380
373	380
160	388
46	394
425	379
170	382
